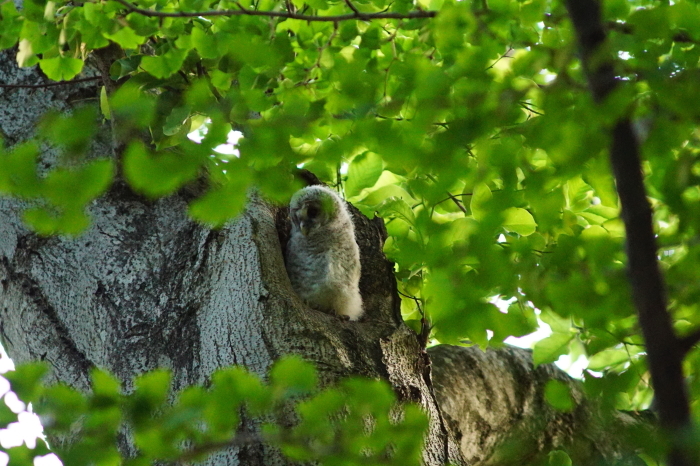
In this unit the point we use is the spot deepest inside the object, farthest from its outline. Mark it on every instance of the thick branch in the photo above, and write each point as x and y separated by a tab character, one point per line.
648	292
280	14
493	401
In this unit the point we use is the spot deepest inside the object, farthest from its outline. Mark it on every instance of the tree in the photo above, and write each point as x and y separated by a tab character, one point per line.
474	130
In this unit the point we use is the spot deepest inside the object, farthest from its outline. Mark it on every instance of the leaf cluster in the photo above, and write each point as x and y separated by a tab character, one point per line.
356	422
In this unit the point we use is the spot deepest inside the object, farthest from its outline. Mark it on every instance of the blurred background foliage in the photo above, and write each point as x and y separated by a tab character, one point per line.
472	134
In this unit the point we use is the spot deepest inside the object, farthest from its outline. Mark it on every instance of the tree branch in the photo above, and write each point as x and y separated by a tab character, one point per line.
279	14
687	342
663	349
41	86
493	400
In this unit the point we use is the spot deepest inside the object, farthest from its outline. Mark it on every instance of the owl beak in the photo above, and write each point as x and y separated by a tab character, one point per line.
303	221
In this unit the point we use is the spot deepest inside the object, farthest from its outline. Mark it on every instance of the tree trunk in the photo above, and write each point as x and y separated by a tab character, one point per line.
146	287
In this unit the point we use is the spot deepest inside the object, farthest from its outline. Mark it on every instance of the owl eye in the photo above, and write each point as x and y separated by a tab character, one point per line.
313	211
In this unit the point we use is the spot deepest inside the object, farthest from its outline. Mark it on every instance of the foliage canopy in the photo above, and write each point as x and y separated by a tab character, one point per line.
467	126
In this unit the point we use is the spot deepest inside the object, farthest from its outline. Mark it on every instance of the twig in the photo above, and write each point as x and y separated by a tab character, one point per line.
458	203
57	83
527	106
278	14
505	55
451	196
622	340
352	7
425	326
414	298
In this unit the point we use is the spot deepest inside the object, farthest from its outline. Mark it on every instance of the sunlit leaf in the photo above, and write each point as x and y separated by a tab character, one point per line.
127	38
519	221
479	200
61	68
550	348
363	172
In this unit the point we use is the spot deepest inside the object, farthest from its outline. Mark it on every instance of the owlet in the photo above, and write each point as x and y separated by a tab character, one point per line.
323	259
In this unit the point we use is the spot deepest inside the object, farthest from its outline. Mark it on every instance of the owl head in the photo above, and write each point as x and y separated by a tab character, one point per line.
313	207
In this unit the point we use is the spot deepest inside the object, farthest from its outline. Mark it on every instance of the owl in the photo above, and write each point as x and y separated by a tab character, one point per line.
322	258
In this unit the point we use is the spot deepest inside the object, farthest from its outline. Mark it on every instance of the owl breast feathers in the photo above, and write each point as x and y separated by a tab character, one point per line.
323	259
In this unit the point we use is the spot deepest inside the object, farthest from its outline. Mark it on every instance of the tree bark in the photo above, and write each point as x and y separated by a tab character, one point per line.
493	401
146	287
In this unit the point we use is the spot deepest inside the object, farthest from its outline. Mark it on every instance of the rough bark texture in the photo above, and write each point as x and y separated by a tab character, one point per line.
493	401
145	287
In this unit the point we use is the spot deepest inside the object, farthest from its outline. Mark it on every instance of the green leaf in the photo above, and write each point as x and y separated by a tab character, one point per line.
50	221
18	171
60	129
20	456
77	187
63	405
10	25
236	385
481	197
558	458
519	221
363	172
7	416
106	388
221	80
557	323
205	43
126	38
152	389
158	174
61	68
104	104
131	107
318	4
608	359
165	65
293	375
549	349
558	395
25	380
397	208
378	196
224	202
